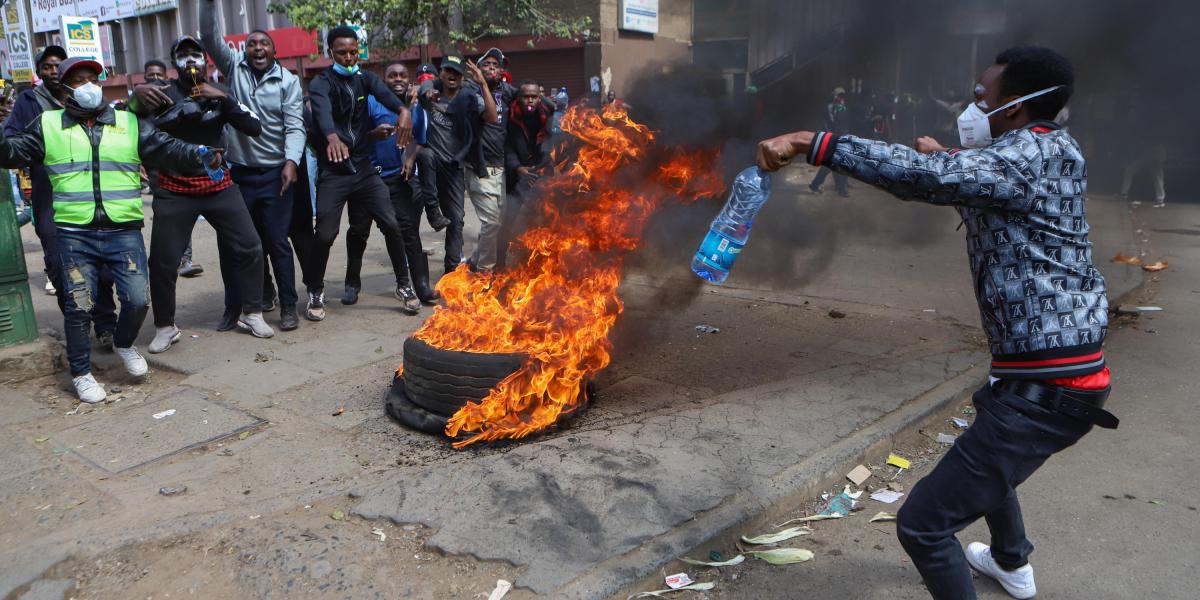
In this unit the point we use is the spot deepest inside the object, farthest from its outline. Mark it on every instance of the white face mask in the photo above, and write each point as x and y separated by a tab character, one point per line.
88	96
974	130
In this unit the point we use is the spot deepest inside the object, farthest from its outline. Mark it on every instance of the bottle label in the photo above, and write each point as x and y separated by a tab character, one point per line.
718	251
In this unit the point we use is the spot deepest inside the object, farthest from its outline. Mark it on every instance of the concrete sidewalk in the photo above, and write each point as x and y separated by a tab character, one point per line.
691	433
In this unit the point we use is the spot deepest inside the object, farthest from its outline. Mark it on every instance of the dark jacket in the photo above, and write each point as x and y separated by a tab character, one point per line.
339	105
199	121
28	106
1040	297
155	147
523	146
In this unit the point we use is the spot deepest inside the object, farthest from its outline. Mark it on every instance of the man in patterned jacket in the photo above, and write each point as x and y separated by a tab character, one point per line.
1019	185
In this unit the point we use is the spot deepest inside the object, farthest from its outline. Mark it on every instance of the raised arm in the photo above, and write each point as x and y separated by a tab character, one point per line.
222	55
999	176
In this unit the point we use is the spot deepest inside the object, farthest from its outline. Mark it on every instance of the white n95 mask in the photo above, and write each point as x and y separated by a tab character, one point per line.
974	130
88	96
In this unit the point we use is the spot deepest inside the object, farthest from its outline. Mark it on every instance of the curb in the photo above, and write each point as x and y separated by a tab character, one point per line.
793	485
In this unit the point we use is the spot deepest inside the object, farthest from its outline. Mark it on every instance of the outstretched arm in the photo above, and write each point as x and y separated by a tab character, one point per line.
24	148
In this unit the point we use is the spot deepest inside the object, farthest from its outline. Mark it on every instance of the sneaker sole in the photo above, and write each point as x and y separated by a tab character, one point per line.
314	318
248	329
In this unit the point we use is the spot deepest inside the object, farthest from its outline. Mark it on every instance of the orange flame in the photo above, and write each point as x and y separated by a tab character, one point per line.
558	306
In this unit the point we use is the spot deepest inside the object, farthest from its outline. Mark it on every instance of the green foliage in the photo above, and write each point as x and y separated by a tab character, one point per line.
398	24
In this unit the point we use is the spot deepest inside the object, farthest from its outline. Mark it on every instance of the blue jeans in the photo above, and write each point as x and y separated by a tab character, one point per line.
272	216
1010	439
84	254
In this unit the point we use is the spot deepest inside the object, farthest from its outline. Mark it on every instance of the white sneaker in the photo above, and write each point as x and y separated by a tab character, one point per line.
134	363
50	291
254	323
88	389
163	338
1019	583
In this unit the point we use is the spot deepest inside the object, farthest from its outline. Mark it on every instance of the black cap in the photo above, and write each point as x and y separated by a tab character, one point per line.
49	51
77	62
427	69
454	61
494	53
186	40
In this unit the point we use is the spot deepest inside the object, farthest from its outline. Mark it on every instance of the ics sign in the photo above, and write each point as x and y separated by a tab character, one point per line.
81	37
290	42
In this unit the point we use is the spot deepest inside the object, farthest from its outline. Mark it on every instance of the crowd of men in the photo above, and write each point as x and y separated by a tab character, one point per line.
271	170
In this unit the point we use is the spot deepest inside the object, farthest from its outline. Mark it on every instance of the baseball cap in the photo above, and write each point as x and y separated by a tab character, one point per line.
75	63
454	62
49	51
494	53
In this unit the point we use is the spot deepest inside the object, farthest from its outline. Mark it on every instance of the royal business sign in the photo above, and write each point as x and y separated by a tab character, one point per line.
46	13
639	15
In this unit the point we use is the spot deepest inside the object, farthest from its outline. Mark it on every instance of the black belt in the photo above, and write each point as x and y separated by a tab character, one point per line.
1085	405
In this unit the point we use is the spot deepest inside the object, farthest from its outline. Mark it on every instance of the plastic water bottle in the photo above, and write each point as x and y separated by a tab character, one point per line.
216	173
729	231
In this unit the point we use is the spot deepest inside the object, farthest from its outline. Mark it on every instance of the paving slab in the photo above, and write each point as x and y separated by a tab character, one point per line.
565	504
128	438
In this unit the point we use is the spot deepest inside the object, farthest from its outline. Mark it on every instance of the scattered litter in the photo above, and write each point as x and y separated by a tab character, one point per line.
858	475
379	350
195	337
699	587
886	496
164	414
1158	502
340	410
116	389
1149	308
837	314
74	411
968	410
337	515
715	556
782	556
383	538
261	357
931	310
254	517
1156	267
810	519
882	516
945	438
708	329
502	588
243	435
678	580
226	452
737	560
1129	260
959	422
172	491
40	439
841	504
73	505
898	461
779	536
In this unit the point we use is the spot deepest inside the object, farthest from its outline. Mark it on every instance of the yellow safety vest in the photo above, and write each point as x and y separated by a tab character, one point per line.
71	162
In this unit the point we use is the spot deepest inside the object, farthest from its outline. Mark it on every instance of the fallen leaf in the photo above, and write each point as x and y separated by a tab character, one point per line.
40	439
339	411
1129	260
782	556
243	435
779	536
882	516
737	560
1155	267
337	515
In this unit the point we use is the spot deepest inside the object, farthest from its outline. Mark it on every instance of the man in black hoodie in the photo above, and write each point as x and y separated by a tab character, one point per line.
338	96
196	111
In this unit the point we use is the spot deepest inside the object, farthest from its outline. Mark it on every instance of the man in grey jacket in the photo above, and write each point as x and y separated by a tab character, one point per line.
264	167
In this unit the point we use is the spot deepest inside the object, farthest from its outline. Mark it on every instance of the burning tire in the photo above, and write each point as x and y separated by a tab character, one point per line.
437	383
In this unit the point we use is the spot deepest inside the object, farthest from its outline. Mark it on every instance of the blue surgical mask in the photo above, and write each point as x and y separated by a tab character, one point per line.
347	71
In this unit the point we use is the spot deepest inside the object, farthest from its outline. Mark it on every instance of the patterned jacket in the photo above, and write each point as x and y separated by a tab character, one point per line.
1042	301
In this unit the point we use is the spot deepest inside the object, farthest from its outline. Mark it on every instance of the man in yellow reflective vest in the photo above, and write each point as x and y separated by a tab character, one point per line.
93	155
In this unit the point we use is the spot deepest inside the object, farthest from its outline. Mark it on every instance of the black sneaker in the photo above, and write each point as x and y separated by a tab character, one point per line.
190	269
350	296
229	319
270	305
288	320
405	294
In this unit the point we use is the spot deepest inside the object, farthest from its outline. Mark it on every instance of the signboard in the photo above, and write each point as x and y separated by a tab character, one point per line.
19	57
81	37
364	50
639	15
47	12
290	42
